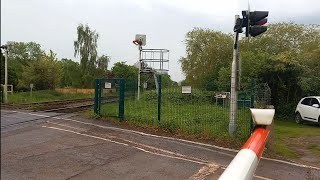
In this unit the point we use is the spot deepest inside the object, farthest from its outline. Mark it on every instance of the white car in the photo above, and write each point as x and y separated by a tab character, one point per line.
308	109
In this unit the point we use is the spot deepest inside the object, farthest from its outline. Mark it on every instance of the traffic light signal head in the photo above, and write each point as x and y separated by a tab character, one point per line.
254	21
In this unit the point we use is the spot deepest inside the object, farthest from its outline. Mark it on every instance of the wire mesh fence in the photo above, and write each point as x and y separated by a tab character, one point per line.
195	112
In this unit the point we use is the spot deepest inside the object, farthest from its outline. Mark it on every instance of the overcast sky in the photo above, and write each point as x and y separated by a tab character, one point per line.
165	22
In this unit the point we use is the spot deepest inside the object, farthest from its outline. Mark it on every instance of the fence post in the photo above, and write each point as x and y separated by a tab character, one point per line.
253	92
121	100
159	99
97	96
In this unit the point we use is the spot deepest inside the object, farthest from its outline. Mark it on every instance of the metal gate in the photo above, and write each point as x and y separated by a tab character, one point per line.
109	92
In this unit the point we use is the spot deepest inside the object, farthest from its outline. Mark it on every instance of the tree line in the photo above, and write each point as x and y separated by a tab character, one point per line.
29	64
287	57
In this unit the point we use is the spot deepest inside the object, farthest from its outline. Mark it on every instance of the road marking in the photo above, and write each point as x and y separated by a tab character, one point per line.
135	147
81	129
208	169
96	137
170	138
260	177
9	111
204	172
9	115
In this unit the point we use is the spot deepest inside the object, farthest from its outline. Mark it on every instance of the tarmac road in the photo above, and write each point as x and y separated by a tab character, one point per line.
57	146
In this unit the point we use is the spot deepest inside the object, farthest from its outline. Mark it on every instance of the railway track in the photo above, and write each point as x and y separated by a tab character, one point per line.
69	105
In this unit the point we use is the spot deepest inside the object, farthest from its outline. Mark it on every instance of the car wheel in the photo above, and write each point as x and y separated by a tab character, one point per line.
298	118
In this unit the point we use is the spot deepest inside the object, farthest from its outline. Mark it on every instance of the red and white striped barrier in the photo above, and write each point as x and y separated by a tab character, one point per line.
244	164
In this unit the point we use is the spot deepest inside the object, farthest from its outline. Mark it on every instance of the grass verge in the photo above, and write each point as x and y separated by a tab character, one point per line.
203	120
45	95
293	140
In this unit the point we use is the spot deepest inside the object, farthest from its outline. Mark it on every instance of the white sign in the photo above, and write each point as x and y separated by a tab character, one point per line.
107	85
186	89
31	86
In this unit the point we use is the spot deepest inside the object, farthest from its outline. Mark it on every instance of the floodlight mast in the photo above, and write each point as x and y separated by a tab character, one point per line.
139	73
140	40
6	49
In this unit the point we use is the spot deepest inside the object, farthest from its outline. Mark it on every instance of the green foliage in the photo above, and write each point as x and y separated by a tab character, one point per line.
44	73
286	57
102	65
41	96
207	52
86	46
129	73
71	76
19	57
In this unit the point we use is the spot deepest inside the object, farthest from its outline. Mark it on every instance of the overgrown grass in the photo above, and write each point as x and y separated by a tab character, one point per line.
189	118
314	148
46	95
287	131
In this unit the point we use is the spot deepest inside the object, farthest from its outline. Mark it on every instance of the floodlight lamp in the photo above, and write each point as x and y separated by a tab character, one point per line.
137	42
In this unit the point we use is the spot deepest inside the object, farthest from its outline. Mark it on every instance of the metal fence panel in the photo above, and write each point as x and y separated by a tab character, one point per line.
198	112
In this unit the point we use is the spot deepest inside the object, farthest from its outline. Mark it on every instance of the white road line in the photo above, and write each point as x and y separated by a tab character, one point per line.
8	111
170	138
184	157
260	177
139	148
204	172
80	129
10	116
161	150
96	137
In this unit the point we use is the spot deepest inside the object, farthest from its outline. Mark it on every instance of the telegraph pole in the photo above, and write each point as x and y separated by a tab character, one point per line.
234	80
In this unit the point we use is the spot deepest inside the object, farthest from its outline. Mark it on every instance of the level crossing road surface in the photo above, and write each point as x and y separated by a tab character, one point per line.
37	145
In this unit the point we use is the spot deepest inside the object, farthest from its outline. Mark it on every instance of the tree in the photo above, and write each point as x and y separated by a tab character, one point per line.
25	52
70	76
20	55
286	57
102	66
129	73
45	73
86	47
103	62
207	52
